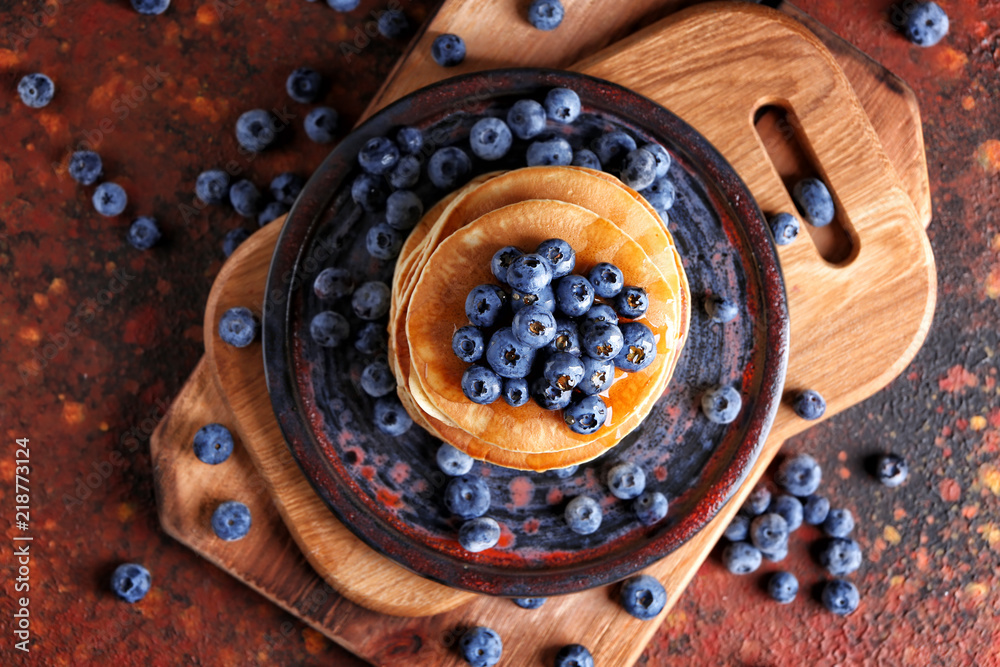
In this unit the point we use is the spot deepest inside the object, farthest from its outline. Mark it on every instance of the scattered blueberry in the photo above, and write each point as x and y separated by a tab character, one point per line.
769	532
583	515
329	329
600	312
564	473
479	534
778	554
650	507
631	303
597	376
612	147
233	239
741	558
586	158
255	130
722	404
271	212
662	157
467	344
238	327
501	261
467	497
638	349
286	187
782	587
546	298
304	85
529	603
481	647
586	415
448	50
448	167
602	340
574	655
790	509
839	556
785	228
410	140
562	105
529	273
563	370
661	195
85	167
150	7
891	469
144	233
607	280
320	124
574	295
484	305
643	597
515	392
391	417
377	379
343	5
406	173
535	327
548	396
110	199
371	339
566	339
639	169
212	186
383	241
368	192
453	462
738	529
213	444
231	520
626	480
841	597
480	385
490	139
333	283
371	300
838	523
393	24
799	475
757	502
814	202
507	356
720	309
131	582
526	119
815	509
926	24
551	153
809	405
560	256
245	198
36	90
378	156
546	14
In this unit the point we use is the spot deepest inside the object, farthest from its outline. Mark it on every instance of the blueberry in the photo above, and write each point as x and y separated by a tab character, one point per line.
586	158
490	139
371	339
809	405
814	202
286	187
551	153
815	510
741	557
245	198
383	242
560	256
378	156
564	473
598	376
131	582
393	24
600	312
479	534
720	309
526	119
721	404
790	509
841	597
574	655
662	157
467	497
448	50
546	14
606	279
467	344
638	349
778	554
549	397
333	283
343	5
304	85
377	379
448	167
329	329
238	327
150	7
515	392
144	233
926	24
212	186
371	300
368	192
109	199
546	298
529	603
639	169
574	295
602	341
391	417
583	515
535	327
320	124
406	173
643	597
481	647
626	480
738	529
271	212
661	195
480	385
85	167
785	228
769	532
782	587
839	556
529	273
36	90
891	470
566	338
757	502
213	444
650	507
501	261
799	475
562	105
410	140
631	303
255	130
612	147
484	305
838	523
233	239
587	415
507	356
453	462
231	521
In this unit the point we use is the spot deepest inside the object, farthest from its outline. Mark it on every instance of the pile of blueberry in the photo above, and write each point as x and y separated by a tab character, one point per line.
555	336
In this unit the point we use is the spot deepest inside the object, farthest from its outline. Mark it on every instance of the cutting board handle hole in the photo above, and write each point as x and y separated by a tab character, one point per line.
781	134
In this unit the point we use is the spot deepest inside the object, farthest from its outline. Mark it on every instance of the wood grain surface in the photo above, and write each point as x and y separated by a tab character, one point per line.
873	309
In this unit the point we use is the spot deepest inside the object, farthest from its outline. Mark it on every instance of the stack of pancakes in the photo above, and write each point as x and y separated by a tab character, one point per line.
449	253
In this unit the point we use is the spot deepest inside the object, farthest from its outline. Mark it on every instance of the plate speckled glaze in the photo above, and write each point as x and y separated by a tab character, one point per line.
388	490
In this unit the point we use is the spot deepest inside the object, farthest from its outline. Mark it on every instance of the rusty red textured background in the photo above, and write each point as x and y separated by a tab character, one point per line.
96	339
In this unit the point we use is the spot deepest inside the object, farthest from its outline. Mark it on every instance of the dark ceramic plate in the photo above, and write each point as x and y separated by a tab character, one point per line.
388	489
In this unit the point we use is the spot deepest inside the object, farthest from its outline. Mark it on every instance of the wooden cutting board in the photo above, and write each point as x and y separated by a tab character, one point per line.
874	307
